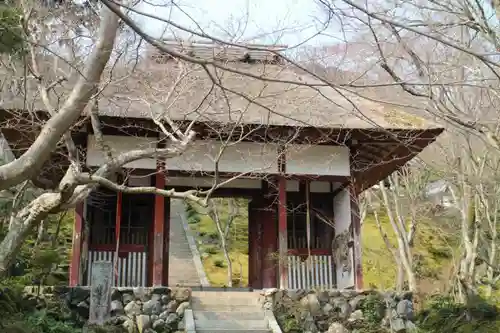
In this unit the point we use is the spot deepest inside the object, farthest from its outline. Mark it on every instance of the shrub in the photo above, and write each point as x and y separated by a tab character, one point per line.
442	315
212	250
219	263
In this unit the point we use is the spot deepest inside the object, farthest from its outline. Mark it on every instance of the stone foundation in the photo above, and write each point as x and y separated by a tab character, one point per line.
143	310
337	311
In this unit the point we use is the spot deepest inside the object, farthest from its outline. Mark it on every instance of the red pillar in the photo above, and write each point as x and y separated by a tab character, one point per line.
76	252
159	232
282	232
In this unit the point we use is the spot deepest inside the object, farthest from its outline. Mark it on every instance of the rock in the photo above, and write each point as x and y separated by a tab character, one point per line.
323	296
309	325
311	303
149	330
129	326
79	294
328	309
181	294
349	293
171	306
132	309
181	308
356	316
151	307
156	298
141	294
163	315
333	293
398	325
116	295
159	325
118	320
356	301
171	320
181	326
267	306
337	328
269	291
143	323
345	310
404	309
154	318
127	298
165	299
116	308
295	295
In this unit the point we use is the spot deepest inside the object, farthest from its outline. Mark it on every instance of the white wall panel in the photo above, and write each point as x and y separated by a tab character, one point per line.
317	160
234	157
120	144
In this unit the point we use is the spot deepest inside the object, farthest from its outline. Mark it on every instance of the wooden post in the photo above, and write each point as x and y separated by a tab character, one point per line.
282	231
254	244
269	241
356	224
159	231
166	242
100	292
118	223
74	270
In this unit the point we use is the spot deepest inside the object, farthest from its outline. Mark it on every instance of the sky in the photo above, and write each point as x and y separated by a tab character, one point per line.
293	21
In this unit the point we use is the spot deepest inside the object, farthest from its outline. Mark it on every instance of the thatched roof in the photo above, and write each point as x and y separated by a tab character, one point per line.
143	90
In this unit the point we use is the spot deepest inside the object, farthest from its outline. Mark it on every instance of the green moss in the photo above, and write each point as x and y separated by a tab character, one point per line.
433	251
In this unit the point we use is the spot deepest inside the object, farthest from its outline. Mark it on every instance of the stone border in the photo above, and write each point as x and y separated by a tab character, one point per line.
189	321
272	322
195	253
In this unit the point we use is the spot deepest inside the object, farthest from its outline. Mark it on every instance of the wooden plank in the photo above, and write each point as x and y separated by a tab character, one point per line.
74	270
100	292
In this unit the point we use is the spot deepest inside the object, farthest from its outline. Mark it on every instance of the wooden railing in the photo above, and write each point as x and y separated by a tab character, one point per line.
314	271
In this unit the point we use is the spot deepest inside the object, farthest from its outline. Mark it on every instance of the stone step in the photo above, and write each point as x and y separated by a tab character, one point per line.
216	330
229	315
227	294
231	324
224	307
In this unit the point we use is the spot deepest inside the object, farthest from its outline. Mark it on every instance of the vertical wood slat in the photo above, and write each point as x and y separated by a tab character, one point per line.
320	274
132	269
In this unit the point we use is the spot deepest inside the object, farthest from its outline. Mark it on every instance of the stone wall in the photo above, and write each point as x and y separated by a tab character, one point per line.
136	310
337	311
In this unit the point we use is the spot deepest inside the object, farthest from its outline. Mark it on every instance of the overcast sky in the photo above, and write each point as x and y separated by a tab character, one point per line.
293	21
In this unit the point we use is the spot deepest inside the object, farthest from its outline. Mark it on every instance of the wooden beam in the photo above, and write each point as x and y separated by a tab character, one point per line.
159	232
74	269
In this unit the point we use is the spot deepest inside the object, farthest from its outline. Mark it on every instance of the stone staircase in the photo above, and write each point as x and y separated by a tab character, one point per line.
182	269
228	312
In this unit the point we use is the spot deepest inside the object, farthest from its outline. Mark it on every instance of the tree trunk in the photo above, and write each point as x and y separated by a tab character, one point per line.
229	265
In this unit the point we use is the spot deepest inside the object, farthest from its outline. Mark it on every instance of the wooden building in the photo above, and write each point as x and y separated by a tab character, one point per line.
302	152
